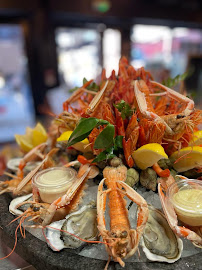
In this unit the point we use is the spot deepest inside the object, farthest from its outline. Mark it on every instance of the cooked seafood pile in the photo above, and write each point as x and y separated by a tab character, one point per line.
125	132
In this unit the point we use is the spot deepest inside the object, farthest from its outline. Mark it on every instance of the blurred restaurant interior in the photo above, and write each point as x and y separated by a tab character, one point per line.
47	47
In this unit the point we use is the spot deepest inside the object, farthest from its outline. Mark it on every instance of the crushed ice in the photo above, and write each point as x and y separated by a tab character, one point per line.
98	251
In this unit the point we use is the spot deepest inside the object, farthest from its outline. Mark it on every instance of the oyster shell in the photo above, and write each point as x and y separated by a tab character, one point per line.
82	223
159	243
13	164
18	211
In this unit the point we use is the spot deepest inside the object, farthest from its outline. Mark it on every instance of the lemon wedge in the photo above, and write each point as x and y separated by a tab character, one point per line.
38	137
148	154
197	138
187	158
28	133
82	146
31	138
40	129
23	142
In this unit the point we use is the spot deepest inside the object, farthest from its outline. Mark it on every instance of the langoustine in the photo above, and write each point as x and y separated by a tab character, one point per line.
121	241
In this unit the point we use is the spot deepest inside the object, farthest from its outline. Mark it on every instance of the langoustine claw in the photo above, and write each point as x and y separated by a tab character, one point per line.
44	213
45	163
13	184
171	215
75	192
10	185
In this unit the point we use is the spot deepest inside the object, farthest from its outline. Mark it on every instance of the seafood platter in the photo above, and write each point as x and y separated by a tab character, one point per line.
117	176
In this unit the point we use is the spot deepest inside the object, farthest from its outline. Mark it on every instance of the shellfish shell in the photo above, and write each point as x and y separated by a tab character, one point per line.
82	223
12	207
159	242
13	164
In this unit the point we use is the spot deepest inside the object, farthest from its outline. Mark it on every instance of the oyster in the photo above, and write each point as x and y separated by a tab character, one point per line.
18	211
82	223
13	164
159	243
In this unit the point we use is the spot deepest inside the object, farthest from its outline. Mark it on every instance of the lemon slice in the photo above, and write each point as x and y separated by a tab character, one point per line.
82	146
148	154
31	138
197	138
187	158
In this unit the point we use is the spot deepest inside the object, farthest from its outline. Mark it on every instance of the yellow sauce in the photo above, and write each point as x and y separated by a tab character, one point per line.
53	183
51	177
188	206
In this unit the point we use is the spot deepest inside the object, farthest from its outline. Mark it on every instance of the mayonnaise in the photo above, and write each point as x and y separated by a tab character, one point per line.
53	182
188	206
53	176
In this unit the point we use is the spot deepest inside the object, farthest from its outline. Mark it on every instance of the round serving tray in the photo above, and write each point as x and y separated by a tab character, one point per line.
37	253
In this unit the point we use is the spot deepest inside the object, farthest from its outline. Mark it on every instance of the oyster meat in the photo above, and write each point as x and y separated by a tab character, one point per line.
82	223
159	243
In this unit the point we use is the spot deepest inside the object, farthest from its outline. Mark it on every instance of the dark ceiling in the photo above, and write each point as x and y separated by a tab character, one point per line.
172	11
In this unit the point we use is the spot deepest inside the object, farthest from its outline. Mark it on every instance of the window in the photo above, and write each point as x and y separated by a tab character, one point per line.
16	105
78	55
111	50
167	52
151	48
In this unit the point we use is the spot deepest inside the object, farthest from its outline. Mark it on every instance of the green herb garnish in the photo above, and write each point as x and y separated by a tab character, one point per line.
105	140
73	89
171	82
124	108
111	151
84	128
93	86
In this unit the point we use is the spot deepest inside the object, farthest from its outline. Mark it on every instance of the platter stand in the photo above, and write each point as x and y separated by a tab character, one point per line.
37	252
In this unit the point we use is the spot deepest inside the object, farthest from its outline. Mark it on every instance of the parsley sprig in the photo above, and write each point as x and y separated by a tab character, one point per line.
124	108
93	86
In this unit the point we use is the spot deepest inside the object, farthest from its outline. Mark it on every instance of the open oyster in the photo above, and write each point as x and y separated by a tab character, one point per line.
82	223
18	200
159	243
